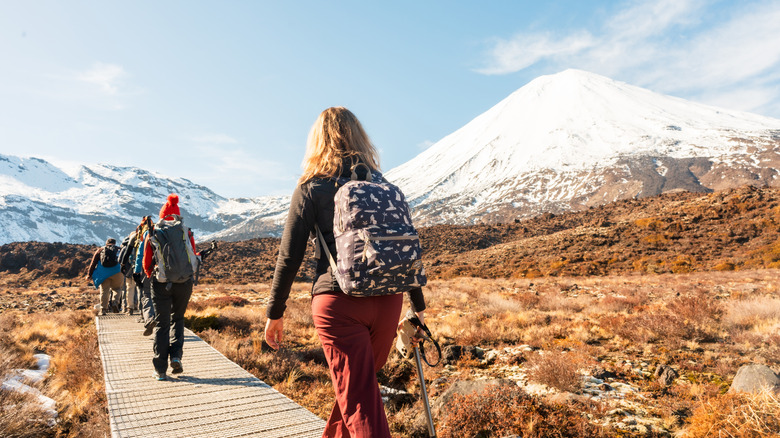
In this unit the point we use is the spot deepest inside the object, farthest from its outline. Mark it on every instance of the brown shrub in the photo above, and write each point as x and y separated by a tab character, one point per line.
79	388
75	381
614	304
655	240
556	369
700	308
652	223
725	266
650	265
682	264
199	323
22	417
654	327
506	410
749	313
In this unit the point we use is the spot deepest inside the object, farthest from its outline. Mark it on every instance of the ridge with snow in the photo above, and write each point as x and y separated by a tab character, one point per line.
42	202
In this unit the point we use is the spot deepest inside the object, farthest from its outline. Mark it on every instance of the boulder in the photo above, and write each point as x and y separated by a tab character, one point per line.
453	353
754	378
665	375
396	398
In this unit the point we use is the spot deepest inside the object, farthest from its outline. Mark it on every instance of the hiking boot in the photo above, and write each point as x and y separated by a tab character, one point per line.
176	367
130	311
150	328
103	312
160	376
115	308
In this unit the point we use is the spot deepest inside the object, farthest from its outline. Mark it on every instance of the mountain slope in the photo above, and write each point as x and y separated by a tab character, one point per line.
674	232
575	139
41	202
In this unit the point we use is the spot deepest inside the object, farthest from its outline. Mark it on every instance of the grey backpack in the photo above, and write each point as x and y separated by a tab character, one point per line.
173	252
377	248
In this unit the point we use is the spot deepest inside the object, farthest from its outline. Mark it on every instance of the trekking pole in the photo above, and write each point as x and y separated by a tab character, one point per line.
428	414
411	327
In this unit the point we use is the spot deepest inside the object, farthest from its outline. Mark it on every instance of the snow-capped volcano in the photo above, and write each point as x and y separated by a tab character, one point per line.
42	202
577	139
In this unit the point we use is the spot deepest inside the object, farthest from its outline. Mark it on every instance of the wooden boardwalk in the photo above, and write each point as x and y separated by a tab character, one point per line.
214	397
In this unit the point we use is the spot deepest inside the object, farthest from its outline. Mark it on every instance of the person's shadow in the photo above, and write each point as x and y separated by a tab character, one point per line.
247	381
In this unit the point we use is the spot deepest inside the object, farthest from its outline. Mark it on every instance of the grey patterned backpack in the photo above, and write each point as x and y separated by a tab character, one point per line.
377	248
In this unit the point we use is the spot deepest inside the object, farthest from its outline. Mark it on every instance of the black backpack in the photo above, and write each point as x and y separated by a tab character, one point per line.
108	257
126	252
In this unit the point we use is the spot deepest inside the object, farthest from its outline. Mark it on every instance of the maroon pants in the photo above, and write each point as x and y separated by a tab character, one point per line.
356	335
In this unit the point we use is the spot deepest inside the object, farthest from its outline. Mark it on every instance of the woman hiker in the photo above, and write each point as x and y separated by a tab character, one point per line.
356	332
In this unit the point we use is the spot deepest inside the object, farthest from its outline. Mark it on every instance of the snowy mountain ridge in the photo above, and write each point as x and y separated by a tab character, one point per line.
40	201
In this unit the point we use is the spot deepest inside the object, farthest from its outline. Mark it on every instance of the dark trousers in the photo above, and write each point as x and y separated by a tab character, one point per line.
356	335
169	307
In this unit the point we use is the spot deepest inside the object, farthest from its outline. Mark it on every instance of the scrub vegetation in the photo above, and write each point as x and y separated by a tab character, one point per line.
627	320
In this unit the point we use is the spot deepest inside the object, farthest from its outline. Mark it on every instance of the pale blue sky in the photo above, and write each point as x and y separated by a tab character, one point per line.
223	93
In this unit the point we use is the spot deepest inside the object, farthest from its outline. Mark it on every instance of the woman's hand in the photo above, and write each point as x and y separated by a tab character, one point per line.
274	332
418	336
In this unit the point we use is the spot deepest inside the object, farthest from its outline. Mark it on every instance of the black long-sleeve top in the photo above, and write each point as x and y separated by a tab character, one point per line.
312	202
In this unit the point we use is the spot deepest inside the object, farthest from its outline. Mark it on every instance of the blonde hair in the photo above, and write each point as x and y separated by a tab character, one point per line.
336	134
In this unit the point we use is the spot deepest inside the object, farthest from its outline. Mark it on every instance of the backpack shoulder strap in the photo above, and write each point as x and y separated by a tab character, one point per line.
324	244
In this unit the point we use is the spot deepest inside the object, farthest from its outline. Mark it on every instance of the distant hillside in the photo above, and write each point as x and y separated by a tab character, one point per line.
673	232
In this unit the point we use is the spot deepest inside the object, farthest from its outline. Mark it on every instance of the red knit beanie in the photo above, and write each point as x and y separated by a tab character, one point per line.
171	206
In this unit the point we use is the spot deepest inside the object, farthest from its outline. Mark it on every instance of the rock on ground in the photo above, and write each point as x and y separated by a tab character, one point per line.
754	378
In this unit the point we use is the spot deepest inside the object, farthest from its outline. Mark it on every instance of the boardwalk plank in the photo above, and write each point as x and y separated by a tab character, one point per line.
214	397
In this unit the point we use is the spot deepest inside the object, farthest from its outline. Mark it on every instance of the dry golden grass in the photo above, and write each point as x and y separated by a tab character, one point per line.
695	322
755	313
704	325
20	414
736	415
75	379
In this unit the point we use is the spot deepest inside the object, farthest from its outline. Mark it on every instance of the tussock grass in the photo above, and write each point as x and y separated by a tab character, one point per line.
704	325
736	415
754	313
75	379
20	414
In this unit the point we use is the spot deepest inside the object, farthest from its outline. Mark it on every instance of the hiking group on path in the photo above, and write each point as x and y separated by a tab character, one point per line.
153	274
368	254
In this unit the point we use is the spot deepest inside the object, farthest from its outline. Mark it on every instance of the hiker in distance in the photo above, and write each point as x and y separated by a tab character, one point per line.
104	273
355	326
126	261
170	260
142	282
